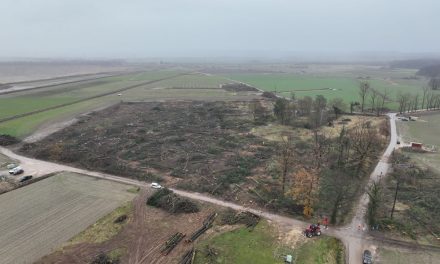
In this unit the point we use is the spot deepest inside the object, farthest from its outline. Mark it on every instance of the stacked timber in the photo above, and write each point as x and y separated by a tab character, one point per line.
188	258
206	225
171	243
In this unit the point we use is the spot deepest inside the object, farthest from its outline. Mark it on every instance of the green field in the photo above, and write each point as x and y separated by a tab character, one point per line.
325	250
242	246
335	85
185	87
425	130
394	256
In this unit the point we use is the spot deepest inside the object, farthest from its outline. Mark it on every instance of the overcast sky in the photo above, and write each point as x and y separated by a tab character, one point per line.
187	28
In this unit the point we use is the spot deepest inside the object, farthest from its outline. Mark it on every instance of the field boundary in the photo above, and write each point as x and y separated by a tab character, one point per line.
34	180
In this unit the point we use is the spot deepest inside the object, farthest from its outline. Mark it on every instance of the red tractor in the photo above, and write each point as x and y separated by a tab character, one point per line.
313	230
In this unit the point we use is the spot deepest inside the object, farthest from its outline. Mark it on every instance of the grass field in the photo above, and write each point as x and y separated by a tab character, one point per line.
425	130
185	87
38	218
393	256
325	250
242	246
332	85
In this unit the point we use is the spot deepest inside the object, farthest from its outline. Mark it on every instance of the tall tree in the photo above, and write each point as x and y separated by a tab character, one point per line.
364	88
285	159
425	92
434	83
280	110
338	105
375	194
383	98
305	189
373	98
305	105
363	139
319	107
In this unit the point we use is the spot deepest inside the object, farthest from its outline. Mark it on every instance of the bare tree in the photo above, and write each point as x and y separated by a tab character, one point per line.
383	98
425	91
403	100
305	105
434	83
285	160
338	105
364	87
363	142
373	97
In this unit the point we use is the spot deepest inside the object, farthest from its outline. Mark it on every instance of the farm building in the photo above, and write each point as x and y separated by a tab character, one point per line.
415	145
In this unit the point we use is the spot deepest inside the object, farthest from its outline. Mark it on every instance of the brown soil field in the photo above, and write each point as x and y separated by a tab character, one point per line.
38	218
202	146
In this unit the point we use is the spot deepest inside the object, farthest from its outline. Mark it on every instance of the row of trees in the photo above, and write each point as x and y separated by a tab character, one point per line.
407	101
412	102
368	94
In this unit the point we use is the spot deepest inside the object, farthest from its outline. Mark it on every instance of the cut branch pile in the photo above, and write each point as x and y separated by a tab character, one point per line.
247	218
206	225
171	243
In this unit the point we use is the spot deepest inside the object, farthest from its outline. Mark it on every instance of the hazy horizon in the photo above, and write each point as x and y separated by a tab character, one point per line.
221	29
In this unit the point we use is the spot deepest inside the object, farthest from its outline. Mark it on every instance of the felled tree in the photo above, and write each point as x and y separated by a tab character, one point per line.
305	189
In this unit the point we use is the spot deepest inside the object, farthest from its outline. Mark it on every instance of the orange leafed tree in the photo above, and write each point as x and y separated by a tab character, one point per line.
305	189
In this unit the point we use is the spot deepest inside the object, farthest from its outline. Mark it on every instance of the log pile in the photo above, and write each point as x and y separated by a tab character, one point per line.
171	243
188	258
206	225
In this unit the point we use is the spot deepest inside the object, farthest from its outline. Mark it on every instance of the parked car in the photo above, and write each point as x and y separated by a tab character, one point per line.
16	171
26	178
156	185
367	258
398	142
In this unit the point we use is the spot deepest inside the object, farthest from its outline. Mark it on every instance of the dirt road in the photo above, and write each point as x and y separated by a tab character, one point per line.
354	235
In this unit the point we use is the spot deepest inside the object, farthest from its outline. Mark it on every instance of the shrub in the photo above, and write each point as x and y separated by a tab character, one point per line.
120	219
102	258
6	140
172	203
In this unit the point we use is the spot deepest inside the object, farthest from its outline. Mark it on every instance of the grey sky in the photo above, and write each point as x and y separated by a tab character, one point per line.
147	28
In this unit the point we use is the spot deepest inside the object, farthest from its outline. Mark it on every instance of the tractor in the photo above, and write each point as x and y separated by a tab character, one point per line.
313	230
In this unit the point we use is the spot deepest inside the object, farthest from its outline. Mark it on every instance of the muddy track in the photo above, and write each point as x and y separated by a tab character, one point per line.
86	99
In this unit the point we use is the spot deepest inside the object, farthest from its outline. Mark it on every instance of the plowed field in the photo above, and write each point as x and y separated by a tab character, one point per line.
38	218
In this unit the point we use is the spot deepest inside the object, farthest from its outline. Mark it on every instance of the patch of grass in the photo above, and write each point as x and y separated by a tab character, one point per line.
4	161
242	246
134	190
105	228
116	254
321	250
395	256
331	85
